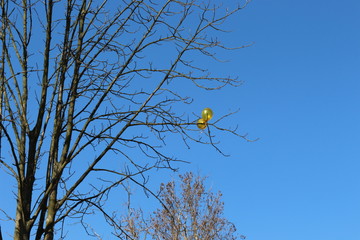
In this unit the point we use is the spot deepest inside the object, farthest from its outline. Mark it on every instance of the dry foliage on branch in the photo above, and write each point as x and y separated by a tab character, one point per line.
87	98
188	211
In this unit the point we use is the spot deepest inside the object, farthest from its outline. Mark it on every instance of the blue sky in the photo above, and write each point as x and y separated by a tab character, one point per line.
300	97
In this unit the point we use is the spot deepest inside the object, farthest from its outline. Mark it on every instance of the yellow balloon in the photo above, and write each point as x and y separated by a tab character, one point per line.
201	124
207	114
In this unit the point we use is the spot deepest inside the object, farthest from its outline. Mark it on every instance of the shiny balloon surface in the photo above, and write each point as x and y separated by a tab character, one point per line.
207	114
201	124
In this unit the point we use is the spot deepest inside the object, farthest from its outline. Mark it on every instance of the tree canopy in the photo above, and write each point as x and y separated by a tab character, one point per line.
88	93
188	211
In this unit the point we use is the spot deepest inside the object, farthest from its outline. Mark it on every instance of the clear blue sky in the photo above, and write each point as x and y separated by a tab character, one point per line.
301	97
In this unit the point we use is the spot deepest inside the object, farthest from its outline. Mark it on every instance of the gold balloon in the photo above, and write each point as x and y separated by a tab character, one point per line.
201	124
207	114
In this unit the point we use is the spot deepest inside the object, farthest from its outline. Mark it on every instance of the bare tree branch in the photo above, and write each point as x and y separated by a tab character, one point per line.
88	99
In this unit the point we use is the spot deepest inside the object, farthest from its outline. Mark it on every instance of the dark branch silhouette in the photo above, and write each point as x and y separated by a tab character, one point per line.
88	96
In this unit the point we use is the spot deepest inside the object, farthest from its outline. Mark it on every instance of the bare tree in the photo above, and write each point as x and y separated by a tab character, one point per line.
87	97
188	212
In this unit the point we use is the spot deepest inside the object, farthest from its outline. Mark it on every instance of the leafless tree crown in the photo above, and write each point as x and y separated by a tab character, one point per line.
188	212
88	95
